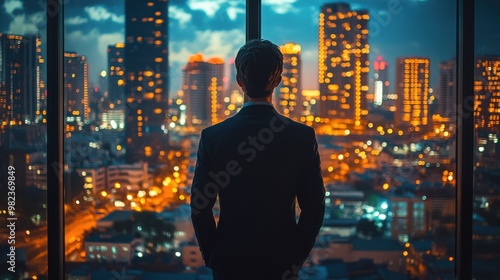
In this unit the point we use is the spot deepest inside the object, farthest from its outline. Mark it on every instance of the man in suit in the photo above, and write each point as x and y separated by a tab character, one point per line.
258	163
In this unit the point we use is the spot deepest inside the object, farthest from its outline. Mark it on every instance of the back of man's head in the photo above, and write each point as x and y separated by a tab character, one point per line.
259	64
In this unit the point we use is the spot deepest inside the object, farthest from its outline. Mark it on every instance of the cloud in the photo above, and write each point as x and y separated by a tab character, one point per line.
180	15
100	13
22	24
76	20
210	43
11	5
232	12
210	7
281	6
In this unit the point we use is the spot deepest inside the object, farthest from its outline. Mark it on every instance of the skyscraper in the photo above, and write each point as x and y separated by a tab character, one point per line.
381	86
21	87
289	90
487	93
343	63
76	88
146	85
116	75
412	89
447	107
203	87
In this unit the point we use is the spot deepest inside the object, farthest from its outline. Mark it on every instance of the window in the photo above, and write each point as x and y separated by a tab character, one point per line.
379	23
23	131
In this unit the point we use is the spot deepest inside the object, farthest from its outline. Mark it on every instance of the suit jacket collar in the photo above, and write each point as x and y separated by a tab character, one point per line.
260	109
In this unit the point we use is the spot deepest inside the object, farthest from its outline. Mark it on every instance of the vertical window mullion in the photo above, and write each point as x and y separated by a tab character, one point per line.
253	15
465	138
55	138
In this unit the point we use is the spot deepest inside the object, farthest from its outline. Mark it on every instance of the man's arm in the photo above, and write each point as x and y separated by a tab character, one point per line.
202	202
311	198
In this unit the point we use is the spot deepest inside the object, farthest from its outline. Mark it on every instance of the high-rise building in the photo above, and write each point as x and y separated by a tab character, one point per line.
487	93
412	89
203	87
21	88
116	75
381	85
447	107
146	85
343	63
76	88
113	110
309	104
289	90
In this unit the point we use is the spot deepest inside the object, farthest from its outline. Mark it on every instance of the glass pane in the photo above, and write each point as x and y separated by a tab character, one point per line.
23	140
486	222
142	78
377	82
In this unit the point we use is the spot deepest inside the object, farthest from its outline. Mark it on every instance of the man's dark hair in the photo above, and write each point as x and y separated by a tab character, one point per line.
259	64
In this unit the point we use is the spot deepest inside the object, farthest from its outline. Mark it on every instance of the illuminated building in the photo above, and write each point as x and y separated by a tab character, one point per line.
76	88
447	90
410	217
310	100
116	75
381	86
113	111
22	93
487	93
343	63
146	85
289	90
203	86
412	89
234	97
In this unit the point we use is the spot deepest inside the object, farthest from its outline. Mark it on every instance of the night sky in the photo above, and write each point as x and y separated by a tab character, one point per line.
217	28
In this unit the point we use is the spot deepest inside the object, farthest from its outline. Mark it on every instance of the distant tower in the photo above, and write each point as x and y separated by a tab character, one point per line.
203	87
381	86
76	88
447	90
343	63
412	89
146	85
487	93
289	91
116	75
21	88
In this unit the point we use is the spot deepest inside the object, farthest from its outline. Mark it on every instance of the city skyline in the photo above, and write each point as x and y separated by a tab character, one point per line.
218	30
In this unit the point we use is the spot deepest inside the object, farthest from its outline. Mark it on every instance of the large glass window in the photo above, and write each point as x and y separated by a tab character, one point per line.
141	79
486	219
377	82
23	145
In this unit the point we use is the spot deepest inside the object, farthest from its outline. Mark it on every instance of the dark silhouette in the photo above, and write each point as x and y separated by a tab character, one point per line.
258	163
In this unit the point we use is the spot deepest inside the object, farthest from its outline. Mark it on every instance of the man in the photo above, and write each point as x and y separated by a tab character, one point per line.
258	163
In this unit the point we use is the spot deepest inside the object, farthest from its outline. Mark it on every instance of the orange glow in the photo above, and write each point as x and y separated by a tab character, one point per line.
196	58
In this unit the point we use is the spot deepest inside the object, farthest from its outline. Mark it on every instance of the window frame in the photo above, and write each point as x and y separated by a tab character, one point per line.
55	129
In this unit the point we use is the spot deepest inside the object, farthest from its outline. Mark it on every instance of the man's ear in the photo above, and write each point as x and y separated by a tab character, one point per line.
239	81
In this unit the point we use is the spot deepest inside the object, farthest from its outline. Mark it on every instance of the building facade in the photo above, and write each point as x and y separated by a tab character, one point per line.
22	93
202	83
76	88
412	89
288	93
487	94
146	85
381	84
447	108
343	63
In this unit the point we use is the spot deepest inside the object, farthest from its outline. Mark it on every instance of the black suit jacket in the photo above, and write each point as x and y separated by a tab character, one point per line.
258	162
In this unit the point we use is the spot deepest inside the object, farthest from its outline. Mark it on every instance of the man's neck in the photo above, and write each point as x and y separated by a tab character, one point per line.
260	99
